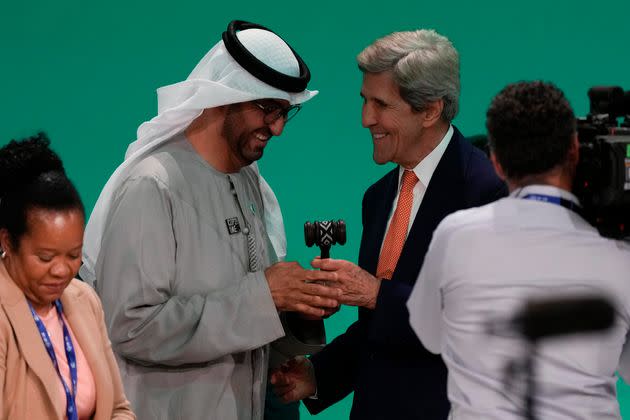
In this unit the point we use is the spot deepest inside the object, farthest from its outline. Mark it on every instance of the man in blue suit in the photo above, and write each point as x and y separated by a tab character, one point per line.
410	95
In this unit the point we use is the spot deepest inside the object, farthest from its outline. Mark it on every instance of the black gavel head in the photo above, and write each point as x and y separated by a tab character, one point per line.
324	234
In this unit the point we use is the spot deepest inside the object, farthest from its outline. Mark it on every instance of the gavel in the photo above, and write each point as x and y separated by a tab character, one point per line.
325	234
308	334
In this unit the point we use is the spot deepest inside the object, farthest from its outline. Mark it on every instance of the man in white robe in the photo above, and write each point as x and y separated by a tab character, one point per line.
183	242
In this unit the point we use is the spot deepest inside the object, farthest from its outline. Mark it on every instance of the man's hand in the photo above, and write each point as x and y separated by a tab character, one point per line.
294	380
358	287
292	289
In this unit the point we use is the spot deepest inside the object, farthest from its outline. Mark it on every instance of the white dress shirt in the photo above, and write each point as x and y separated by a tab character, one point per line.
482	265
424	171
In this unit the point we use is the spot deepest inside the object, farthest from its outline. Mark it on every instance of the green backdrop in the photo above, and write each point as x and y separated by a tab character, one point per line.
86	72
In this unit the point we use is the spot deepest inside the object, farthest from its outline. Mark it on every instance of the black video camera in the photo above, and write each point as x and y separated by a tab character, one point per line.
602	182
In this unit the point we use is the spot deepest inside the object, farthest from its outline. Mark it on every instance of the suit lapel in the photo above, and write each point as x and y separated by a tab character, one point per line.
378	210
82	322
29	340
443	196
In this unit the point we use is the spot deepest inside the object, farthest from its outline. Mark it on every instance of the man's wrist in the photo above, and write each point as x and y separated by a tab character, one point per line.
311	371
374	295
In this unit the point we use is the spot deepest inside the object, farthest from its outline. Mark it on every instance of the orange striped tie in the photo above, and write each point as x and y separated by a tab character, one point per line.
397	233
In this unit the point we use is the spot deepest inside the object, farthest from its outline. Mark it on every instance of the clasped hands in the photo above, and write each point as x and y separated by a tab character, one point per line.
338	282
318	293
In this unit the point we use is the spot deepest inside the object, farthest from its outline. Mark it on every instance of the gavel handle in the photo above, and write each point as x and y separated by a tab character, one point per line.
325	252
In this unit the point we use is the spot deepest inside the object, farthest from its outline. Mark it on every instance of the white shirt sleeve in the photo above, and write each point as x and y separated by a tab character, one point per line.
624	363
425	302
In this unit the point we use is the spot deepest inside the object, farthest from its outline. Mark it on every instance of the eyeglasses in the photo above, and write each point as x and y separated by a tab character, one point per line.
273	111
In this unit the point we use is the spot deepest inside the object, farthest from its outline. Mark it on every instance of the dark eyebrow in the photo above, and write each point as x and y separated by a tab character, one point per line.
269	103
375	99
53	250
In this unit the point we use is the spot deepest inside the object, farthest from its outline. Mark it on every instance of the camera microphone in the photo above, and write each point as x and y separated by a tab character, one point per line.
540	319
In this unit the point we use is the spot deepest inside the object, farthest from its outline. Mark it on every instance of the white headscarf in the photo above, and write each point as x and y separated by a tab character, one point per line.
217	80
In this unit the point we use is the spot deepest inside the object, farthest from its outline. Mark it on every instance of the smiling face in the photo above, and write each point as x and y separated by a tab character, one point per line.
48	255
246	132
395	126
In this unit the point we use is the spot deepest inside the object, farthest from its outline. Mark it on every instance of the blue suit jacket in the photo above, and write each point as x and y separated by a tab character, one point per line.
379	357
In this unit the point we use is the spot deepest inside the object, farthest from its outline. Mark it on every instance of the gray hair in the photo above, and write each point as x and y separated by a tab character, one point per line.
424	64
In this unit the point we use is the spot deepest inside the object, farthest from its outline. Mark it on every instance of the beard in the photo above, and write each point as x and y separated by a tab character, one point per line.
244	145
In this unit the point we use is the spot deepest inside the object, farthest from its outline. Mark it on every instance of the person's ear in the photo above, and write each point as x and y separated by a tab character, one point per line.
5	241
432	113
497	166
574	150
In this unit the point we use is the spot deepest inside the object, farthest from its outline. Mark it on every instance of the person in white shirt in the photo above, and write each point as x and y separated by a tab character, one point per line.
484	263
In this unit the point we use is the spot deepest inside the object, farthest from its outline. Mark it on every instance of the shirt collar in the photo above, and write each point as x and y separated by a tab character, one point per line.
424	170
544	190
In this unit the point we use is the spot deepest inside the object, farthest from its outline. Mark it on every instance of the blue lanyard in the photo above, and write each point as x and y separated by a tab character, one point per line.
567	204
71	407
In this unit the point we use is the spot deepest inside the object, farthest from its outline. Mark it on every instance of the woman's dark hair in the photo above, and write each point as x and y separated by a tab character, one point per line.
32	177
